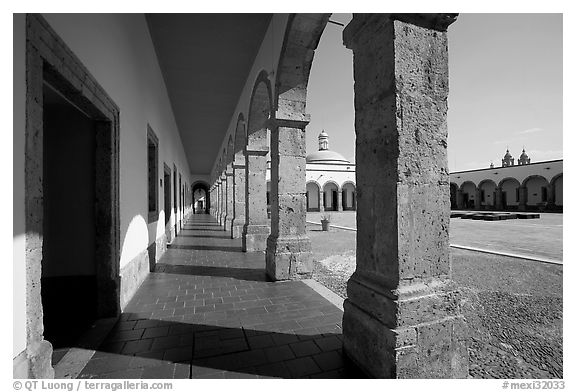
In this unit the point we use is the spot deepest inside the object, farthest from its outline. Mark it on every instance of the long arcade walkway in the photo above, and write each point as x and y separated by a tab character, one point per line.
209	312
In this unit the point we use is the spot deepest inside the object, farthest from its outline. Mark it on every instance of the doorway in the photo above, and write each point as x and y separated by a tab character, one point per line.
167	202
68	251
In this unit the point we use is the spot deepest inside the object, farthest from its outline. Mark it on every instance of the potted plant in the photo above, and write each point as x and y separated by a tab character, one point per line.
325	222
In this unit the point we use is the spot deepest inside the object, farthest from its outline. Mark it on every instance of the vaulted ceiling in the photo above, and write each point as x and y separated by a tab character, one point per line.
205	59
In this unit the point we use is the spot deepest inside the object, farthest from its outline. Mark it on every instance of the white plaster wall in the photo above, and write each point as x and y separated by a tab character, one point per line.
19	122
118	51
534	190
546	169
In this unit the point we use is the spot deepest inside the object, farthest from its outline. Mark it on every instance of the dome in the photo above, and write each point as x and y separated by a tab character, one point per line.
325	156
523	155
508	155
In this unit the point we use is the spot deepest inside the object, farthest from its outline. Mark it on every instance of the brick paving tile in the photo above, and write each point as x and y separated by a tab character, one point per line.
208	312
329	343
304	349
279	353
329	360
137	346
301	367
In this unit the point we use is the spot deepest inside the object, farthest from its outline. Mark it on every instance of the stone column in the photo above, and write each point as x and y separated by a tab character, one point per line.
229	198
498	199
288	251
219	203
523	198
321	200
239	206
339	200
222	215
256	230
402	315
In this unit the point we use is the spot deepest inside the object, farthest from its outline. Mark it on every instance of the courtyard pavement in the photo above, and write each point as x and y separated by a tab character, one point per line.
541	238
208	311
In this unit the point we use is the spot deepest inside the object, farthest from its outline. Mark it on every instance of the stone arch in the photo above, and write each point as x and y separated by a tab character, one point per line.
230	151
502	181
312	196
453	195
557	190
259	113
330	190
240	140
301	39
535	187
348	196
200	208
468	189
510	188
487	188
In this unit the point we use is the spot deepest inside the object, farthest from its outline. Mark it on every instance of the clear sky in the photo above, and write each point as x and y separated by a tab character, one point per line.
505	89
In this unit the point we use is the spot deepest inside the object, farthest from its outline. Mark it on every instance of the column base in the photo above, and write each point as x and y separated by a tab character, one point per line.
415	331
254	237
289	258
227	223
34	362
237	227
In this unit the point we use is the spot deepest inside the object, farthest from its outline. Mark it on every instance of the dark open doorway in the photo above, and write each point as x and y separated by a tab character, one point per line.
69	282
167	201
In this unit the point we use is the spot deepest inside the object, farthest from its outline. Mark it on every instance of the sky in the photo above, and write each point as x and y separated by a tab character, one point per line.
505	89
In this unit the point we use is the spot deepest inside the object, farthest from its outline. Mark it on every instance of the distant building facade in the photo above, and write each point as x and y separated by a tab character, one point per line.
520	186
524	186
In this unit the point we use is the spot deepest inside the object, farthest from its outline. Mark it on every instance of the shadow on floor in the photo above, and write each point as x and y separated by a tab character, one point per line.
220	348
206	247
249	274
224	235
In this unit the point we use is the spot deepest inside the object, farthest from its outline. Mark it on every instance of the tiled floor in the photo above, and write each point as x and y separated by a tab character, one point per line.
209	312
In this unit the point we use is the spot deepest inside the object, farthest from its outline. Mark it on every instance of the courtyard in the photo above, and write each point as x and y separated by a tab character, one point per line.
513	306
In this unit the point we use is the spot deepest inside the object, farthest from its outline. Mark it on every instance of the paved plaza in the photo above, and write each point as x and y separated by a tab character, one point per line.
209	312
530	238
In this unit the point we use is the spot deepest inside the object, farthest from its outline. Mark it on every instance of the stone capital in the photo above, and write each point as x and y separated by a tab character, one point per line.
290	120
248	152
357	26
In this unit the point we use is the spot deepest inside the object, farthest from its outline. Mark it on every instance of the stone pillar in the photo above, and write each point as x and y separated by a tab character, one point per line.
498	199
288	251
239	206
256	230
523	198
222	215
321	201
219	202
402	315
229	198
339	200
